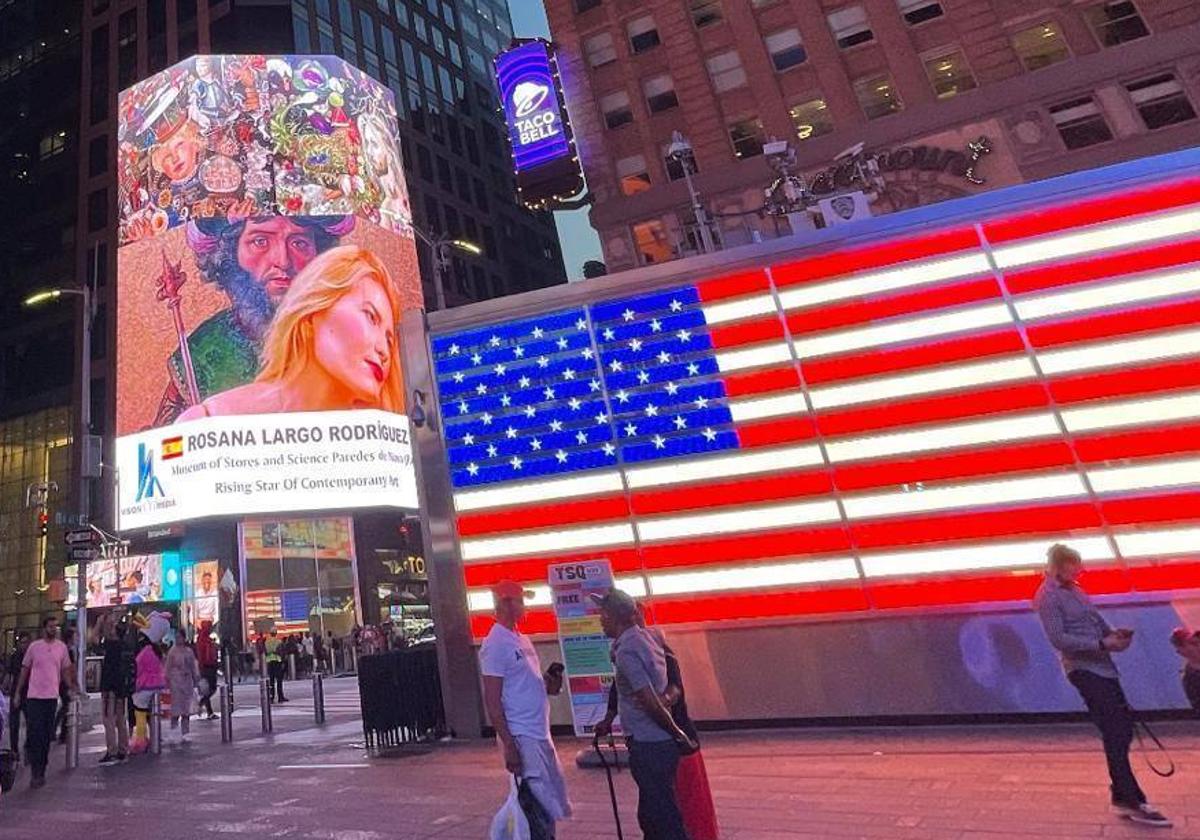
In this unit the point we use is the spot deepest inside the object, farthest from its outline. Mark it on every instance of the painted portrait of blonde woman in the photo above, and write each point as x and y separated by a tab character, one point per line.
331	344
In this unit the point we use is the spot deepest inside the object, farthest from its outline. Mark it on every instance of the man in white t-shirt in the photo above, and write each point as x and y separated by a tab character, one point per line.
514	692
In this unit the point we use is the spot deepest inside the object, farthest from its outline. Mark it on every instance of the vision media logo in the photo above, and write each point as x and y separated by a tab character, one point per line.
148	485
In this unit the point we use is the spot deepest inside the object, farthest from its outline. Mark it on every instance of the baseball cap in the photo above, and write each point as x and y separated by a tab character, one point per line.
510	589
619	604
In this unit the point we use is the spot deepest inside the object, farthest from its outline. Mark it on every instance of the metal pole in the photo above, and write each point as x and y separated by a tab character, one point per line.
264	704
72	750
156	724
84	501
226	702
439	273
318	692
292	667
706	241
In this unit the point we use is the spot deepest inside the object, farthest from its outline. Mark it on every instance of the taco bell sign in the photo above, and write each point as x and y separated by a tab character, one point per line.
539	130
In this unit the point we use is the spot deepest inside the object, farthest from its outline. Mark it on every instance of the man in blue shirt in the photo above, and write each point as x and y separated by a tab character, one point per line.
1086	642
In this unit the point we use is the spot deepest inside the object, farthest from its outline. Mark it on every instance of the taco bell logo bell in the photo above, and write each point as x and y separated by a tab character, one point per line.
148	484
531	123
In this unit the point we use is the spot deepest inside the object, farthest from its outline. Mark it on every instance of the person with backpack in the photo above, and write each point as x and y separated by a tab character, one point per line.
1086	643
206	656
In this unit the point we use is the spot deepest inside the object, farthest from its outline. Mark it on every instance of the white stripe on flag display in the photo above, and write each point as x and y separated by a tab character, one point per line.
669	431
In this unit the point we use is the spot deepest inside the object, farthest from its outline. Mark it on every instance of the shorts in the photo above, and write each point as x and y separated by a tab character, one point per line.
540	768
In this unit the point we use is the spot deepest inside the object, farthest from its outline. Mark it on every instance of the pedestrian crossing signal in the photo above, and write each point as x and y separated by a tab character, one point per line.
43	523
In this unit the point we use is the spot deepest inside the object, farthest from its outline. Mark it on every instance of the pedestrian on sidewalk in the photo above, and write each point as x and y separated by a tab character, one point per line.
514	693
64	693
15	661
656	743
206	656
319	653
116	682
1086	642
183	678
44	669
335	653
1187	645
691	779
271	648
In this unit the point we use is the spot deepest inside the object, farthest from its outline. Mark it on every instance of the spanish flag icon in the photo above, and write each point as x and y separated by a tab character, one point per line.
172	448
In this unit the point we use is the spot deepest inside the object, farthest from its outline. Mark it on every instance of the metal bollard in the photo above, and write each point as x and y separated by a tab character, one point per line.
318	691
156	724
353	659
264	704
226	699
292	667
73	712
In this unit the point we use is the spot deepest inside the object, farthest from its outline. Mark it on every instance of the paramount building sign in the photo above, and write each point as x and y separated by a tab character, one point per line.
267	463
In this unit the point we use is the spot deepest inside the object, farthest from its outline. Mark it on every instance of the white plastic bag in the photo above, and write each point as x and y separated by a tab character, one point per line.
509	822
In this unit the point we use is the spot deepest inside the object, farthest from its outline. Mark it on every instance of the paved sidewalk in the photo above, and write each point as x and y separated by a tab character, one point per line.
309	783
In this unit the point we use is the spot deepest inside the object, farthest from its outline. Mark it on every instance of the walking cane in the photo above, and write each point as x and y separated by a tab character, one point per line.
612	791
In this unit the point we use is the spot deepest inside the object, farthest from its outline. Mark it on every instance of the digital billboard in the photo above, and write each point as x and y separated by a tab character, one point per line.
543	149
266	258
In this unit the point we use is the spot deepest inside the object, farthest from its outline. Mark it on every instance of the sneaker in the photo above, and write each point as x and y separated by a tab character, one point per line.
1146	814
108	759
214	716
121	758
37	782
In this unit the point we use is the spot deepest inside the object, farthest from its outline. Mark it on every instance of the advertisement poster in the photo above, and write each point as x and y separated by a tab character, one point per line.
233	466
205	595
585	648
266	259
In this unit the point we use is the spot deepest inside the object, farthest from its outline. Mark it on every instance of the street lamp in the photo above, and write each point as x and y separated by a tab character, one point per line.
88	301
681	152
439	246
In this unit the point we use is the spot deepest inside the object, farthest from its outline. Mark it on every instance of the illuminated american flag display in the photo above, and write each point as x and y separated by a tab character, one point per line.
904	424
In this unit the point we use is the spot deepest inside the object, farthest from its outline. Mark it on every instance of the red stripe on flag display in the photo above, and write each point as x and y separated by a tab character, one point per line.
923	451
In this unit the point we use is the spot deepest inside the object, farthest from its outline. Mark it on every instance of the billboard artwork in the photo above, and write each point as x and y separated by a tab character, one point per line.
544	159
266	260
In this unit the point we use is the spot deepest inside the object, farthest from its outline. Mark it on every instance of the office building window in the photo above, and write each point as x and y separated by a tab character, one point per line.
632	175
325	37
1116	22
705	12
52	144
786	48
1080	123
582	6
747	138
877	96
811	118
616	109
650	240
660	93
726	71
97	210
1040	46
600	49
919	11
98	155
850	27
643	34
1161	101
948	73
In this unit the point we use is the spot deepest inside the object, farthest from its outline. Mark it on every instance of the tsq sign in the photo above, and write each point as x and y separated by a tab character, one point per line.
544	158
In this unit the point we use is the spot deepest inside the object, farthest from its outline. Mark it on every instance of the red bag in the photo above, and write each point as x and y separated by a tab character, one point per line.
695	798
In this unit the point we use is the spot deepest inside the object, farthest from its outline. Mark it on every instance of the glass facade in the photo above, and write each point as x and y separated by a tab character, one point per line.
299	575
35	449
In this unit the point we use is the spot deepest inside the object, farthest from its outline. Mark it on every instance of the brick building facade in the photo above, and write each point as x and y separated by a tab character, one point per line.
1052	86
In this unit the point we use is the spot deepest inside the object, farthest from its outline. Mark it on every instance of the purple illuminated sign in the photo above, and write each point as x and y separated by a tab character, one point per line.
538	128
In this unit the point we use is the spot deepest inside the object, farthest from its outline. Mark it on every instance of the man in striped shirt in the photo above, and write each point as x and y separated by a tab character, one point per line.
1086	642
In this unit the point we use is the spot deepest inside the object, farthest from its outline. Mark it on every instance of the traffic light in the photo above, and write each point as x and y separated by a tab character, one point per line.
43	523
